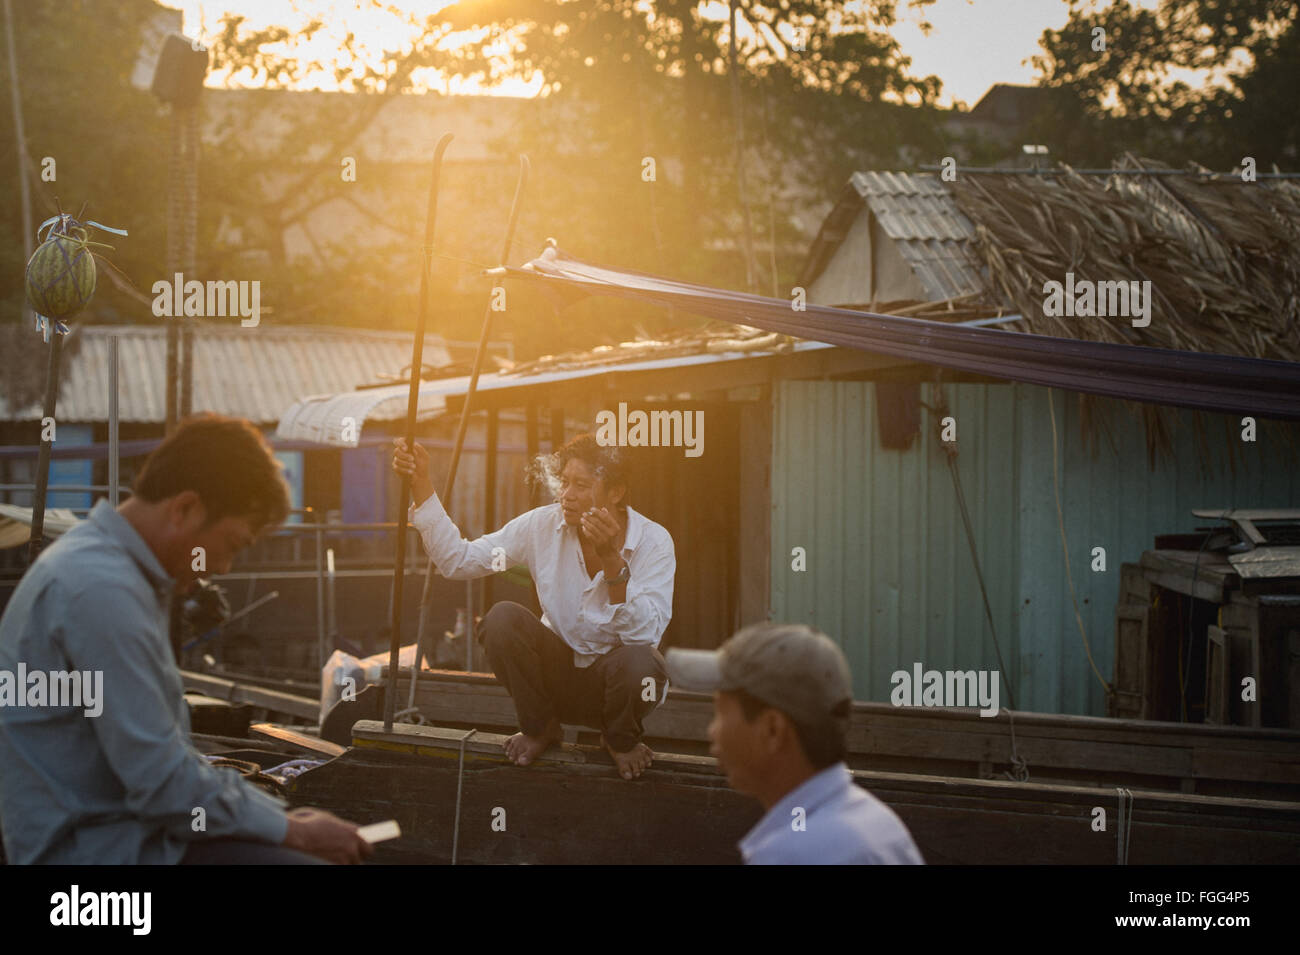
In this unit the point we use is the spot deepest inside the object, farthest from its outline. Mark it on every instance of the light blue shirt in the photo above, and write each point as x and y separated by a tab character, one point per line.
830	820
122	787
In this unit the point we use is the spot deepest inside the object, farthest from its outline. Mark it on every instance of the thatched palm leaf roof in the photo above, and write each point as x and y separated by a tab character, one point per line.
1222	256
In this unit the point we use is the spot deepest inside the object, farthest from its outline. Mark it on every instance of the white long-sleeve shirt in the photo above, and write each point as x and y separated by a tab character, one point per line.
575	605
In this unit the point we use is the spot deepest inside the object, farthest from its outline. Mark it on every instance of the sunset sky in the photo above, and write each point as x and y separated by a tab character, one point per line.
974	43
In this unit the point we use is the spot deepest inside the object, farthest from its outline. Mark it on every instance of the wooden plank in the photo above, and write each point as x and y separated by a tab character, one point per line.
1177	576
312	744
1218	700
702	379
433	682
531	440
213	686
1278	617
449	690
1253	666
1132	641
1252	514
557	428
276	701
1133	587
1102	751
1292	675
198	699
570	807
405	737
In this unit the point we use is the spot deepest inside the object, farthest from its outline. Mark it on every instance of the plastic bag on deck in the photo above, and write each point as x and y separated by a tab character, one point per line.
342	667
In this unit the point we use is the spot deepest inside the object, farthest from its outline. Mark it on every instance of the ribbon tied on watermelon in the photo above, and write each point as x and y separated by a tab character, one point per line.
61	272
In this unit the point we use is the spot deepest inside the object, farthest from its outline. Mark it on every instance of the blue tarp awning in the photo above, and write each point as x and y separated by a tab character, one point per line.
1208	382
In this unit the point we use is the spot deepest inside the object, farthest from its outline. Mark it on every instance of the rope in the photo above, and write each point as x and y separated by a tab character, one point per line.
1020	767
1069	576
455	258
251	772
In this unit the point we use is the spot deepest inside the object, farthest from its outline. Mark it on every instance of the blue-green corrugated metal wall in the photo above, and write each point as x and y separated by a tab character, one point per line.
889	571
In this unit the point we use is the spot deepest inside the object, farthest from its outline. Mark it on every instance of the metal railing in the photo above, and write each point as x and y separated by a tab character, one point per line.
319	564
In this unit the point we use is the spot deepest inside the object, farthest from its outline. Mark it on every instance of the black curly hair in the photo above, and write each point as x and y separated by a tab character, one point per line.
608	463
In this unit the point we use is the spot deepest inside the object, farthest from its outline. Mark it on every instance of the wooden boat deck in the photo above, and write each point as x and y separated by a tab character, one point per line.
957	742
1201	794
570	807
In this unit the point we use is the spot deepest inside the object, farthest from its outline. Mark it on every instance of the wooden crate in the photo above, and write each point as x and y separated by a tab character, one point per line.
1132	652
1218	676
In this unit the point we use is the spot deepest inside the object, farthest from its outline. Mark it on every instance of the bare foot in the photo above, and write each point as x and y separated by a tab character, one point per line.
523	749
632	763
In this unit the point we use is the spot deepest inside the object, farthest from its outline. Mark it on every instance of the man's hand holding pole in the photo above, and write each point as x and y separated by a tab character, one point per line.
414	465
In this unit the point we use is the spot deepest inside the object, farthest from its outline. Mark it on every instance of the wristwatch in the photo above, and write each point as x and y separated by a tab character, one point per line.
622	577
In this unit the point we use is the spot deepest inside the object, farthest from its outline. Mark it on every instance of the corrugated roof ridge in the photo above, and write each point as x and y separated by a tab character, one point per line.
214	330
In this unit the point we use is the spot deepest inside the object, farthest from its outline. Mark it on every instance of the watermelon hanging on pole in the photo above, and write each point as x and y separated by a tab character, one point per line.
61	272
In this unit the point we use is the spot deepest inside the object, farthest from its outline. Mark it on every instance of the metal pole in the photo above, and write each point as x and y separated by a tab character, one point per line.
320	594
490	490
469	626
185	372
24	189
36	541
332	605
175	256
483	337
404	495
113	461
189	243
740	154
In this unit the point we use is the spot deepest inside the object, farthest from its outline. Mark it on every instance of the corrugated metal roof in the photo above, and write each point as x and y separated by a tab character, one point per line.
913	206
256	373
930	231
320	418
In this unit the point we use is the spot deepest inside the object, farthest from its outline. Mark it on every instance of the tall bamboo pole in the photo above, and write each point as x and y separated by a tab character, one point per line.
426	598
412	403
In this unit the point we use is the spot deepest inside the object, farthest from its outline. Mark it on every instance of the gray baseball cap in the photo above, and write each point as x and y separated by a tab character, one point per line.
790	666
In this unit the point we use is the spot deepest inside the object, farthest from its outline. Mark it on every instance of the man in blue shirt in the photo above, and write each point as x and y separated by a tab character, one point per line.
782	700
113	777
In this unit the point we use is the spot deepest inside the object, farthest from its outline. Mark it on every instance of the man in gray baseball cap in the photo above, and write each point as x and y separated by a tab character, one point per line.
782	697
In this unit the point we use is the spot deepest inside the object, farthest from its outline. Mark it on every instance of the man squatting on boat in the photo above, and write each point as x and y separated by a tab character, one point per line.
604	578
126	785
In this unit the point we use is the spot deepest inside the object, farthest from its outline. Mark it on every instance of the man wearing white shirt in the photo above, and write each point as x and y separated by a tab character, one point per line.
604	578
782	700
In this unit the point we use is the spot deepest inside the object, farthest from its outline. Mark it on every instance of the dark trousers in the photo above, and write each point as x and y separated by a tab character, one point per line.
536	667
244	852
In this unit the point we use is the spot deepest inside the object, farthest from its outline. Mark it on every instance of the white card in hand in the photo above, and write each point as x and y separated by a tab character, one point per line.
380	831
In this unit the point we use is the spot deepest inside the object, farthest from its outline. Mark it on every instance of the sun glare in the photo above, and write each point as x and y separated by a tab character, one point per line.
374	29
